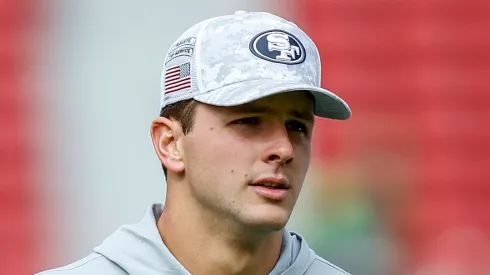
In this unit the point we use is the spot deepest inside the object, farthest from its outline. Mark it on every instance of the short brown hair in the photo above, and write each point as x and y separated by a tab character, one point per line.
183	112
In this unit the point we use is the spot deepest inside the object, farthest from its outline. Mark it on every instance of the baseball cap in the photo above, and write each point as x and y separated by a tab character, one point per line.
235	59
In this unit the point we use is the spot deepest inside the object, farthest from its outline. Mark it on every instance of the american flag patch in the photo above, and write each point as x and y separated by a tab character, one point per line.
178	78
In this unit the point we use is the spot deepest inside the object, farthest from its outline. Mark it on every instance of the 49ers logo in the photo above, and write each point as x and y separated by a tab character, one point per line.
278	46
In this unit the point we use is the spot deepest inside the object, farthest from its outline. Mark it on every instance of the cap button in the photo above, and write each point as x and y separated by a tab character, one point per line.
240	12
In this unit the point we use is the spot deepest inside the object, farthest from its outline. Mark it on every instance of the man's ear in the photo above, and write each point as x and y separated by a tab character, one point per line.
164	134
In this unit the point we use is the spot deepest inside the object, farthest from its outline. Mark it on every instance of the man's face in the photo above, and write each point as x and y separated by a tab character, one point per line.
233	152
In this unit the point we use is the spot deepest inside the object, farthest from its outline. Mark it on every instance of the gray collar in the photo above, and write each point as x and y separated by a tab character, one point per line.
139	249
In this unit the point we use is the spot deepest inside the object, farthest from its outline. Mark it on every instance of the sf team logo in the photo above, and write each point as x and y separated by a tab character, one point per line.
278	46
280	42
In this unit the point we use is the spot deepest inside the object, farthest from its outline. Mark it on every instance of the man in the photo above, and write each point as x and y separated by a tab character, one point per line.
239	95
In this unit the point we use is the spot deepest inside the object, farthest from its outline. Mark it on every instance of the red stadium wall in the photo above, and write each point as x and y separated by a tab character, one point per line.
416	74
18	241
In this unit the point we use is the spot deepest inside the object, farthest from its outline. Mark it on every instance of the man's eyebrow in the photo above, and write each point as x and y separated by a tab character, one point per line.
308	116
249	108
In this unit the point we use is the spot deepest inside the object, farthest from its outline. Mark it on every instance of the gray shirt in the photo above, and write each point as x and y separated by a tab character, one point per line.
139	250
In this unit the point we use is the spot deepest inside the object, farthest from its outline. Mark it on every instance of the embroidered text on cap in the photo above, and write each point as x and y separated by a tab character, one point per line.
278	46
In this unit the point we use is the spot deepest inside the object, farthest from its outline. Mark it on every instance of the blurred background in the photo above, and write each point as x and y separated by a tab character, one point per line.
401	188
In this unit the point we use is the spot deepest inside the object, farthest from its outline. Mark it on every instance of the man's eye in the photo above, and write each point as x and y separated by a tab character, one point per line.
247	121
296	126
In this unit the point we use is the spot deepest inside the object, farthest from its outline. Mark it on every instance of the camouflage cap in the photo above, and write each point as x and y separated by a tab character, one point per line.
235	59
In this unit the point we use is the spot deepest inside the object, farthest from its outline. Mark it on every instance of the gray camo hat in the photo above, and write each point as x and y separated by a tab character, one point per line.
235	59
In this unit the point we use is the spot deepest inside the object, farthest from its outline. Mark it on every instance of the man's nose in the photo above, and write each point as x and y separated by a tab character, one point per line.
279	146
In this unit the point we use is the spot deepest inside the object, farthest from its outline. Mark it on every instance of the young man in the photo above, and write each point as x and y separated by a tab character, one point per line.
239	96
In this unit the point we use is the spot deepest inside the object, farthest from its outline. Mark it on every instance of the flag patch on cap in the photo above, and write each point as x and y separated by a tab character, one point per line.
178	78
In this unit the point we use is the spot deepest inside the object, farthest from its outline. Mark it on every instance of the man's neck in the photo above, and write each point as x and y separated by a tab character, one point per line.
204	248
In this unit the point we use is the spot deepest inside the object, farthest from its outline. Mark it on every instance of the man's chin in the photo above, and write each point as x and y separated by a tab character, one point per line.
272	220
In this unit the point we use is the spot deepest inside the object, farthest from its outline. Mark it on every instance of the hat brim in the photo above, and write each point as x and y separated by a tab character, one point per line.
327	104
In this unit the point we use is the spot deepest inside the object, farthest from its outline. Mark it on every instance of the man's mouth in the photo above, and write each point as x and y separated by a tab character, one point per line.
270	185
271	188
272	182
